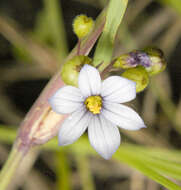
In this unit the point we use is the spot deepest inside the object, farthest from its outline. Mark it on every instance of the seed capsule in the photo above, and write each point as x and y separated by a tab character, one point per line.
138	75
82	25
70	70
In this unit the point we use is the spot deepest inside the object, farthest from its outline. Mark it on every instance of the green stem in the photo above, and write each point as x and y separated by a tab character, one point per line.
84	172
63	171
10	167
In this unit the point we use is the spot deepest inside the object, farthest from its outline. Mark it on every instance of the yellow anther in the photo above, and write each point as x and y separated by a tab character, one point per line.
94	104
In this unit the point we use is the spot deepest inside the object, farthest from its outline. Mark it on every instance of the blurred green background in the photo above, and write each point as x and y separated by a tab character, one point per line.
35	37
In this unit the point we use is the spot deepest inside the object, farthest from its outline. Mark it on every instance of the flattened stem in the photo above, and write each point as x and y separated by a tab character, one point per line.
32	129
41	108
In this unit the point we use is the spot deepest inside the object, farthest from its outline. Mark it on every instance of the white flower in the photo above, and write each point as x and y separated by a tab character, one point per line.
96	106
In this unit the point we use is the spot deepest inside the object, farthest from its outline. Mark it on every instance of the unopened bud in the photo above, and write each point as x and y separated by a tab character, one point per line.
138	75
151	59
132	59
82	25
158	63
41	123
70	70
123	62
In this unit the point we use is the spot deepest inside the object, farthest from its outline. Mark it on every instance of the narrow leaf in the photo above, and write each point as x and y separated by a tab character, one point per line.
104	50
147	170
176	4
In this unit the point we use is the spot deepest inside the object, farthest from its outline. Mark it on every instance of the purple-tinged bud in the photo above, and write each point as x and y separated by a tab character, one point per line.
123	62
151	59
41	123
132	59
158	62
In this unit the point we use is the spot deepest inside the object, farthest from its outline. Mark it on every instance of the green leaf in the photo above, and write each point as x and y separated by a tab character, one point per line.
161	153
115	12
84	171
151	167
63	171
155	163
166	167
148	170
50	28
21	54
176	4
7	134
56	25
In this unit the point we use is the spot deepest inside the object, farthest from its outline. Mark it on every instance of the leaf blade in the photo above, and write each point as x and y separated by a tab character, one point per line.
115	12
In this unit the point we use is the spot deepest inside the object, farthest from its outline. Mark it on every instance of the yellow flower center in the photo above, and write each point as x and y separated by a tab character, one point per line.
94	104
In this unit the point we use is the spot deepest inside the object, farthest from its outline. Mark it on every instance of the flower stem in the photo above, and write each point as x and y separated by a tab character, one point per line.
41	108
10	167
78	47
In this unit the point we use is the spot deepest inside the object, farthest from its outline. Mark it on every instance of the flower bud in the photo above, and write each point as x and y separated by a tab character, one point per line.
158	63
132	59
41	123
151	59
138	75
70	70
122	62
82	25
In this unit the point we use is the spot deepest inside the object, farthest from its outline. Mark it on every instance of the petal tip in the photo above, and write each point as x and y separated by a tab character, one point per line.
86	67
107	154
144	126
106	157
51	103
62	143
140	127
50	100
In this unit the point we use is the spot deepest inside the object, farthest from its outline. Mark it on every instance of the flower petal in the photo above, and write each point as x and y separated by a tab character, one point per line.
74	126
104	136
89	81
123	116
118	89
66	100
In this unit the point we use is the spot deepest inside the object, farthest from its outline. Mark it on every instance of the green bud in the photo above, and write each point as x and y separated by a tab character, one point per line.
70	70
158	63
138	75
122	62
82	25
151	59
